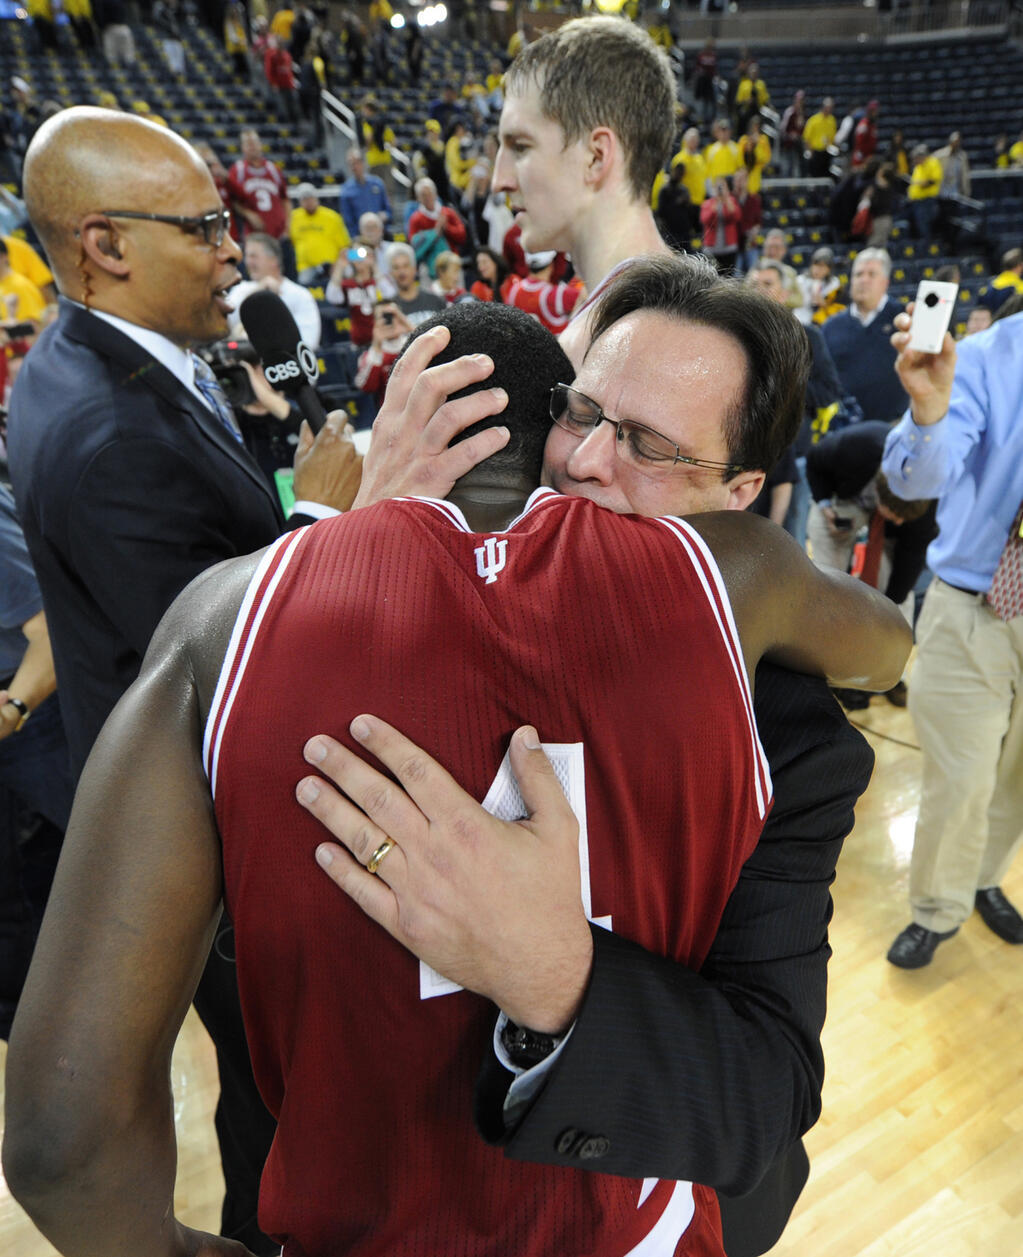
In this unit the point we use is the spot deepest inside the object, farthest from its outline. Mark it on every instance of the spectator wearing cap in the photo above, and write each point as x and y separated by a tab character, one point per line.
860	340
318	234
362	192
264	263
924	190
818	286
818	136
550	303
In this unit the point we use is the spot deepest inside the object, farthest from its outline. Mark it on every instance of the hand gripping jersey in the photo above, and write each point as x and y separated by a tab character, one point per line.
612	635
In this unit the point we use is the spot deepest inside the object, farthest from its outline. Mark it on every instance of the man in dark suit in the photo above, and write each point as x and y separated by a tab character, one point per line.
130	479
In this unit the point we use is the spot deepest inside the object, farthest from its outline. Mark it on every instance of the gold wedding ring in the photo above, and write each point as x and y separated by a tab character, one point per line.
379	854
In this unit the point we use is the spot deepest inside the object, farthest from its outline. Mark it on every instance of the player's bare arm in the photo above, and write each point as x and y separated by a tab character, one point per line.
799	616
89	1148
409	451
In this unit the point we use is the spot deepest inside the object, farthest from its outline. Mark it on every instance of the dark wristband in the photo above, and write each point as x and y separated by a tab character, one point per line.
525	1047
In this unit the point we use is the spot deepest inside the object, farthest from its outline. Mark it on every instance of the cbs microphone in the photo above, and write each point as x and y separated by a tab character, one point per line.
289	365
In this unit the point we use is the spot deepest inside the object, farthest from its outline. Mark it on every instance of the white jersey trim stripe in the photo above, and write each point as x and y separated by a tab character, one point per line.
710	577
663	1237
241	645
454	515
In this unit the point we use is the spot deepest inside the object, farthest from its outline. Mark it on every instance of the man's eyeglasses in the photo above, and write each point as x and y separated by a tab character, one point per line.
213	227
645	448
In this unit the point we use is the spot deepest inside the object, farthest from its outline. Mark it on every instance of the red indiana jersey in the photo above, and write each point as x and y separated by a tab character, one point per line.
550	304
614	637
260	186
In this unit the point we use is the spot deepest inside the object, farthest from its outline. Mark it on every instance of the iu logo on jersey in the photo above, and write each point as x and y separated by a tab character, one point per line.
490	558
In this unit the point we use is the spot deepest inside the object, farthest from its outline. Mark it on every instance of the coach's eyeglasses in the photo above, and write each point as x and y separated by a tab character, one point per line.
213	227
646	448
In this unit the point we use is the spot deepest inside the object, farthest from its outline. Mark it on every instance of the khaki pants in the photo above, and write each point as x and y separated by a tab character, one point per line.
966	700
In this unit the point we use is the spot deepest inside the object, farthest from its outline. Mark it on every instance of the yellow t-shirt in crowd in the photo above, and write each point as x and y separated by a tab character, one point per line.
282	22
819	131
1016	153
695	177
31	302
318	237
752	89
762	155
926	179
722	158
24	259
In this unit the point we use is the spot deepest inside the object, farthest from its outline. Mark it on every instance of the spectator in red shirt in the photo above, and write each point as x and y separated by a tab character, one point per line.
355	283
865	136
443	224
750	215
256	183
280	75
390	328
550	303
720	215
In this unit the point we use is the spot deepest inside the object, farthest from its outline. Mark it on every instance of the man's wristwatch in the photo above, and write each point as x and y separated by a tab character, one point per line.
527	1048
21	708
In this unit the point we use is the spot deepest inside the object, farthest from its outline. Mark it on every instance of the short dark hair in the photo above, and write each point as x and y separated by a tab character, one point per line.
604	72
906	509
769	410
528	362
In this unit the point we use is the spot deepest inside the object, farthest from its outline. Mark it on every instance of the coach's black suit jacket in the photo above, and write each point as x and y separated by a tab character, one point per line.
127	488
713	1076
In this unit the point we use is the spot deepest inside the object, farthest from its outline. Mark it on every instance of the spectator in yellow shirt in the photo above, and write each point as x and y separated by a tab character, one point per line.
318	234
694	178
458	159
281	23
924	186
750	96
25	261
20	299
722	157
1016	153
755	152
818	135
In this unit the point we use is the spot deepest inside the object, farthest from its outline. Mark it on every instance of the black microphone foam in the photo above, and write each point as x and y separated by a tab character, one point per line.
289	365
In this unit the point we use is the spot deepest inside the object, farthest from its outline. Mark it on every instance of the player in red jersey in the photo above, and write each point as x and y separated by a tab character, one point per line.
358	1030
256	183
549	303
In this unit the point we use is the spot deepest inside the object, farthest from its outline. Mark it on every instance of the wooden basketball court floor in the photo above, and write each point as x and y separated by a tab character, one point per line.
919	1150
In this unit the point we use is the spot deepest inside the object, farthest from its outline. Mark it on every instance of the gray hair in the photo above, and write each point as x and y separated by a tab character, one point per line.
880	256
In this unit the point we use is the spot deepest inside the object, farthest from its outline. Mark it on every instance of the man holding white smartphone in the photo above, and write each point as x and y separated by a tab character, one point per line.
962	442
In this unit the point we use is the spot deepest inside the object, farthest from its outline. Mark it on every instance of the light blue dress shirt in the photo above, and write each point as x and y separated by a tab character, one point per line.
972	460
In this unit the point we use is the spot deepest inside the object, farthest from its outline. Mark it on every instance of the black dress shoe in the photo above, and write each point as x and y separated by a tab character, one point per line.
999	915
897	694
852	700
915	946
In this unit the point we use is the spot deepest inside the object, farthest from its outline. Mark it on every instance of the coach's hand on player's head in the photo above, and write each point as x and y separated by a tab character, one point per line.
328	468
493	905
409	452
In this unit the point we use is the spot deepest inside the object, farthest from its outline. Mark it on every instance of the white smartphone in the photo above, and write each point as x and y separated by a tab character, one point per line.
932	314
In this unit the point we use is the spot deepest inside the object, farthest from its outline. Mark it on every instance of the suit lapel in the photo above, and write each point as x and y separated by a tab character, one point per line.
141	367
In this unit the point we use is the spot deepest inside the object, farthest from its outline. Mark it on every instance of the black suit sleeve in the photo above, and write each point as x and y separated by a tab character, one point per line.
710	1076
144	521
